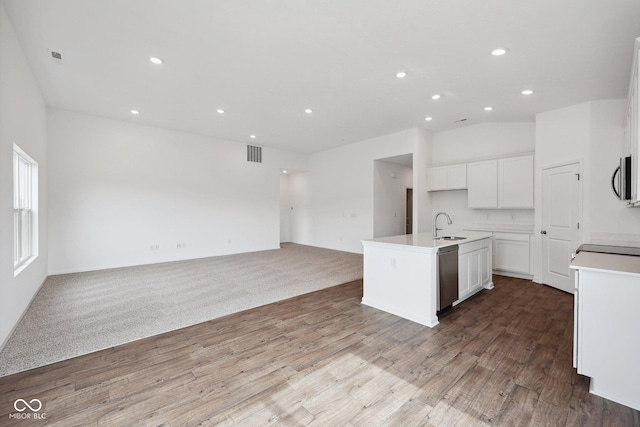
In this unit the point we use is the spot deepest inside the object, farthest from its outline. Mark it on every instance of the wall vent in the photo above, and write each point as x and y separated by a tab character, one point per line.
254	154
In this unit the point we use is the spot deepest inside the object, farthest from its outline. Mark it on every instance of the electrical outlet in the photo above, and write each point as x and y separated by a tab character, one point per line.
181	245
155	247
394	263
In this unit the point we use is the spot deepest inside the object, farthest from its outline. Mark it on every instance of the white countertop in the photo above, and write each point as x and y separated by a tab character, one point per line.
624	264
425	241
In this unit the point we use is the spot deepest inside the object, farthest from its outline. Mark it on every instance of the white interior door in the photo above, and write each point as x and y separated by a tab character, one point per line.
561	215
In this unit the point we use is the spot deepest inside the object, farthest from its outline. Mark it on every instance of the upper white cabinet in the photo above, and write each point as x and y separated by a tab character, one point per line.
451	177
501	183
483	184
515	182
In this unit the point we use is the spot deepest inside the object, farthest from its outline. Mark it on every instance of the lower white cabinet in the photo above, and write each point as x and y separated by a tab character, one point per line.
512	253
474	268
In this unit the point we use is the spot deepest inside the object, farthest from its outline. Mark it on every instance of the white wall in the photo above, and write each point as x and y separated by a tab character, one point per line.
477	142
390	185
23	122
482	141
285	208
608	217
333	201
116	189
592	134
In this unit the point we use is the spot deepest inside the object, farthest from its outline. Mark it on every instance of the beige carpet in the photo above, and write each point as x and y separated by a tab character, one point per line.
75	314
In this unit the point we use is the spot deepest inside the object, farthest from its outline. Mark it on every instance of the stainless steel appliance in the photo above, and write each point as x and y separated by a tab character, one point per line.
621	179
447	276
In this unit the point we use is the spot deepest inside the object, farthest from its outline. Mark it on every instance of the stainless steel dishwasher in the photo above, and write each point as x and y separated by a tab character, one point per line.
447	276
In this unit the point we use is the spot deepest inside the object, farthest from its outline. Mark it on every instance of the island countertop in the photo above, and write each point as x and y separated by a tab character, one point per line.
425	242
623	264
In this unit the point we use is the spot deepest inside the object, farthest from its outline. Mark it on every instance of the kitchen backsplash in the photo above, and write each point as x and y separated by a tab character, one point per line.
455	204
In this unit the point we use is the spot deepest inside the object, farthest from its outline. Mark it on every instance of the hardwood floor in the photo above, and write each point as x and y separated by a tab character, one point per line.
501	358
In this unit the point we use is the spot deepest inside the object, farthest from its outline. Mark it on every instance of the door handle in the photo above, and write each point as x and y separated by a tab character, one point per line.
543	232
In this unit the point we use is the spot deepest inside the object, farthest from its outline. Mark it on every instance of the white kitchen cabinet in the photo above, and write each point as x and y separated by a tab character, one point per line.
515	182
483	184
512	253
501	183
474	268
450	177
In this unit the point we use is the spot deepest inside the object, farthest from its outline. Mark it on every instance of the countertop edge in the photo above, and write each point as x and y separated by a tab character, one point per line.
620	264
423	242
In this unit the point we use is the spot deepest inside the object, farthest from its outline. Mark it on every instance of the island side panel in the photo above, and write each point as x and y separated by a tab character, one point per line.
608	316
401	282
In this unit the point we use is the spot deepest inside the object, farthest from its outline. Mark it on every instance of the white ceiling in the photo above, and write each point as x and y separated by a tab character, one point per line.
265	61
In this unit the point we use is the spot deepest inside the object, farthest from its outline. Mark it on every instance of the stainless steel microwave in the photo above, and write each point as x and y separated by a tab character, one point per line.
621	179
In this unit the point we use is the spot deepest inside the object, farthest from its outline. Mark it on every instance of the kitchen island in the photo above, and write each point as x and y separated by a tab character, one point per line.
401	272
606	316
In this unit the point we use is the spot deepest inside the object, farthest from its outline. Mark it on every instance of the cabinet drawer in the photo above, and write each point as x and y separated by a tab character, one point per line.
471	246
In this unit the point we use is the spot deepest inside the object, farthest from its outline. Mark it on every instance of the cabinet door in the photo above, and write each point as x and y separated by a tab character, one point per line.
475	270
483	184
437	178
515	182
457	176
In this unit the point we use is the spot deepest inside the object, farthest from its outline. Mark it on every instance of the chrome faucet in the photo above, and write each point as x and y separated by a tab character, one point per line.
435	222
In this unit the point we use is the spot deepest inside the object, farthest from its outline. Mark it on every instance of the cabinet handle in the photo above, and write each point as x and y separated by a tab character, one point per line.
543	232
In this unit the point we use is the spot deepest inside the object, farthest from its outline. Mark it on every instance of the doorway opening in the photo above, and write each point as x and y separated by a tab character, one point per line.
392	210
409	210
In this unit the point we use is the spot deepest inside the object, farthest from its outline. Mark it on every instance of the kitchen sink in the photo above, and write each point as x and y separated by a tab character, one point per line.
449	238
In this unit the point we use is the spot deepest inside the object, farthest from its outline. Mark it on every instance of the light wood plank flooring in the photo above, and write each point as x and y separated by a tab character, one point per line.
501	358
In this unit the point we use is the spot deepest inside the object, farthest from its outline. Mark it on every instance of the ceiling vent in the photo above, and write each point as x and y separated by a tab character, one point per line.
254	154
56	56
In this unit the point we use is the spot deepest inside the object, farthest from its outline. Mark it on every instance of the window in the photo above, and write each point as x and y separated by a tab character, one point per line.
25	200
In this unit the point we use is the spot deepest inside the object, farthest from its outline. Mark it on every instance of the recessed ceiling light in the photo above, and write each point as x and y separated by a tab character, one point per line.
498	52
155	60
436	96
488	108
527	92
252	136
284	171
135	112
401	74
308	110
220	111
428	118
